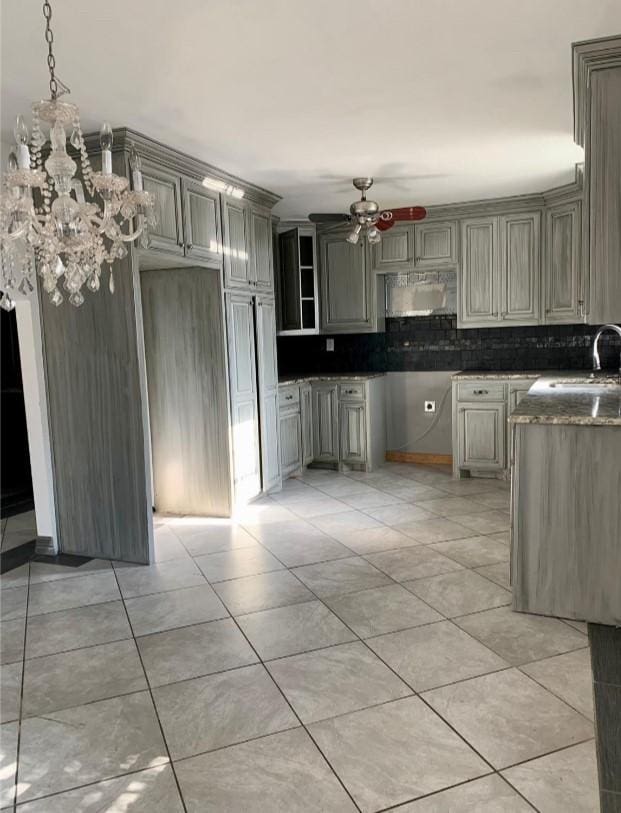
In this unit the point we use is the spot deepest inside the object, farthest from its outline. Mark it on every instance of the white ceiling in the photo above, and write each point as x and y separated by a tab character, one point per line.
440	100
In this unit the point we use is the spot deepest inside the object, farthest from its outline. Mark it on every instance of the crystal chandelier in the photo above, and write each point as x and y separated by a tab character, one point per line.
63	235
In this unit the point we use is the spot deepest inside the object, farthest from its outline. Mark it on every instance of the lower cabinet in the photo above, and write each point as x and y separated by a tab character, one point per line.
481	437
353	432
290	442
306	417
325	423
481	430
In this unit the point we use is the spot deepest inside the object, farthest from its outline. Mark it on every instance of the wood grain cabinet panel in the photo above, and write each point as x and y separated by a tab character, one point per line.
347	286
167	234
353	432
243	389
261	259
478	291
290	442
325	423
435	244
237	272
481	435
563	284
520	267
396	251
267	370
306	415
203	232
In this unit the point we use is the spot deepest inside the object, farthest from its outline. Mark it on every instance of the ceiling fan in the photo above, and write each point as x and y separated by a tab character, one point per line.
366	214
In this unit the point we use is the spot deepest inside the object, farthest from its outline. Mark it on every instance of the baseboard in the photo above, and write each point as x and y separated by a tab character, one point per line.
44	546
424	458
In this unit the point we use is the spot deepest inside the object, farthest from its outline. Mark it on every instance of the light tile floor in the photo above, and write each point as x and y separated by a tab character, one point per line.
343	645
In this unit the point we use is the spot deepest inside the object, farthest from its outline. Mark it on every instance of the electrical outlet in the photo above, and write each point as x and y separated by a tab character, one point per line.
330	345
430	406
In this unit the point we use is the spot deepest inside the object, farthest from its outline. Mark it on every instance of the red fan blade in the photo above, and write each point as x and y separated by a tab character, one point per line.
405	213
384	225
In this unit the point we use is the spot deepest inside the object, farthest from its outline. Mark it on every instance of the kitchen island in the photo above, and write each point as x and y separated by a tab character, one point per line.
566	532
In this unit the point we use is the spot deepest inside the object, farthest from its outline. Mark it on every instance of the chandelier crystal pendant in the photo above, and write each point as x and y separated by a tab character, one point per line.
65	237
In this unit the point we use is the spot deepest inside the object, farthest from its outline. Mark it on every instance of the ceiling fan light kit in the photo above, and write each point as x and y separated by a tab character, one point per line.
367	218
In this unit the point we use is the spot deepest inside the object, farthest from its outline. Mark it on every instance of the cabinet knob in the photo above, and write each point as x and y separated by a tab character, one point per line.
481	392
288	397
180	243
189	246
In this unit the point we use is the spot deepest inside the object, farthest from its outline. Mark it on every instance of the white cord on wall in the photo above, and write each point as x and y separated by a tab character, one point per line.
431	426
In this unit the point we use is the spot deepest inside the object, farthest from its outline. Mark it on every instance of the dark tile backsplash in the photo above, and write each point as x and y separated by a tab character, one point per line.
435	343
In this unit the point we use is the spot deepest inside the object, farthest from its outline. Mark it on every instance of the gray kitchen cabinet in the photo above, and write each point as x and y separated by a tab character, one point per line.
267	379
325	423
306	417
202	227
298	288
478	285
235	227
261	259
353	432
165	186
244	396
290	441
563	296
396	250
482	439
435	244
520	268
499	279
349	301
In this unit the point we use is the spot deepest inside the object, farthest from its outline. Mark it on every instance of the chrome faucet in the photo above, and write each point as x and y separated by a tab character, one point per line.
596	362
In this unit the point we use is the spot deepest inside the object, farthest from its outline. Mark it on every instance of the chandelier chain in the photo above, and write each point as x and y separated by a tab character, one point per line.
49	38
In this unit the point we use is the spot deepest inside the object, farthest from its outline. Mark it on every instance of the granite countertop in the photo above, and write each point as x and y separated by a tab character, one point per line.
499	375
300	379
571	399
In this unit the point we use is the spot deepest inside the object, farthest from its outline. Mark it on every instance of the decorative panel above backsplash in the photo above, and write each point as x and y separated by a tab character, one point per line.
416	293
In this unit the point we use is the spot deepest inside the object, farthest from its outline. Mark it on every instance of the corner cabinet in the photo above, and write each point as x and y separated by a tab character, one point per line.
351	298
500	270
563	289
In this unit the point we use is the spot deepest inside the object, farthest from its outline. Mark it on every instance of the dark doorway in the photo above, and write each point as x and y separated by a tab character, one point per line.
16	482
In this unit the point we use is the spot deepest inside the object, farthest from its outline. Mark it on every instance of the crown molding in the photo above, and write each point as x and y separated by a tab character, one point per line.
589	56
179	162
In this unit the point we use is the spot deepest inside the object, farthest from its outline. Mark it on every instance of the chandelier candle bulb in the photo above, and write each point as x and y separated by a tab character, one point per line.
106	139
135	163
21	142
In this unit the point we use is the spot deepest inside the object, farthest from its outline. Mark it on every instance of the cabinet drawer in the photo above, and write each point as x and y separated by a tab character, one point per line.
288	396
351	389
481	391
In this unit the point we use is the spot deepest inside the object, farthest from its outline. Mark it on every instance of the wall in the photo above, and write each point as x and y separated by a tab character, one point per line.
417	344
408	427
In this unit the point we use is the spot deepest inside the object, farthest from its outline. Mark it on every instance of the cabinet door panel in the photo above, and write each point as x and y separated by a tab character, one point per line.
481	436
478	294
396	251
290	443
236	259
562	289
346	286
436	244
202	222
167	234
306	413
520	267
325	424
353	433
261	260
243	388
268	391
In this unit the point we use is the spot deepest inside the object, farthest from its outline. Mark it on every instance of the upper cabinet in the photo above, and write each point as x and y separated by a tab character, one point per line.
407	247
478	288
500	270
261	259
435	244
248	259
203	234
520	268
167	234
349	292
297	281
563	296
